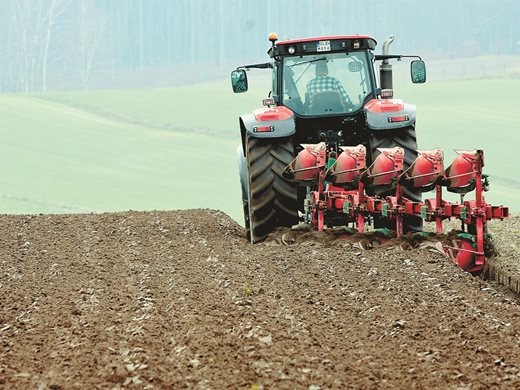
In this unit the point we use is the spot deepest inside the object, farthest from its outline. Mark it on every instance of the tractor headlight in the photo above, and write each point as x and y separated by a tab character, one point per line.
291	49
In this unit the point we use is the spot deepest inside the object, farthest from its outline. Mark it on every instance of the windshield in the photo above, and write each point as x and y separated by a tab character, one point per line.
325	84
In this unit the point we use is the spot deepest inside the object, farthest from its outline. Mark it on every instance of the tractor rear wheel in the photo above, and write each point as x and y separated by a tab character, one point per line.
406	139
272	201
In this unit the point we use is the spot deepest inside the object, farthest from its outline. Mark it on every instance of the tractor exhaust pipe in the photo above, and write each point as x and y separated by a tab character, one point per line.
385	69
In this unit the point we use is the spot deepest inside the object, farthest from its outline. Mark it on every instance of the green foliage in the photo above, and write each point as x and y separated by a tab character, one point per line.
248	290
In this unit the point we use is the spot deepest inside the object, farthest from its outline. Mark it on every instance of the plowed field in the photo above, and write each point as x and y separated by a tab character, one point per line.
181	300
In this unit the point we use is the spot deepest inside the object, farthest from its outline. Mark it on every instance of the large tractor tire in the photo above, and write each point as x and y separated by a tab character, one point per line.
406	139
271	200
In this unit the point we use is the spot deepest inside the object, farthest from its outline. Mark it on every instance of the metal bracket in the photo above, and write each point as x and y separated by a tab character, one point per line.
424	210
463	213
384	210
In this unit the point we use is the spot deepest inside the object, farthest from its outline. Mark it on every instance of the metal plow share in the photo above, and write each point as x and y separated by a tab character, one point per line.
343	190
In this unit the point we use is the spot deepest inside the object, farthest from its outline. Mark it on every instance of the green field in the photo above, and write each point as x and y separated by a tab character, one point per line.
175	148
59	159
474	114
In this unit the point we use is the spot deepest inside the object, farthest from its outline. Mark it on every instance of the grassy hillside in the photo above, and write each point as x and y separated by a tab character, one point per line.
210	107
473	114
175	148
59	159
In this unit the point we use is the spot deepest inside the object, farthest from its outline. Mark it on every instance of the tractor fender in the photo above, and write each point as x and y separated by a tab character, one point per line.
387	114
242	171
271	122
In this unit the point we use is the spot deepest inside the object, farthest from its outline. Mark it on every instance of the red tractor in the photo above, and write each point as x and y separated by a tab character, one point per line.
335	109
332	147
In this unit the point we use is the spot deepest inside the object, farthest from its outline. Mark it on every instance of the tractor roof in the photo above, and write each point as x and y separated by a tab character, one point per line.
336	43
325	38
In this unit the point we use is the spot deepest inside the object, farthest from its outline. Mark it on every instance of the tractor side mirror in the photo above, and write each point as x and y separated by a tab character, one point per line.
239	80
418	72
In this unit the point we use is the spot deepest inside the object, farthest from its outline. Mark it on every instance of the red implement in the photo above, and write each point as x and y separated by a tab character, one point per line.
338	193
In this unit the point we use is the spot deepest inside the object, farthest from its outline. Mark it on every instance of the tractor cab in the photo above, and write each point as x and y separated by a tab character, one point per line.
324	76
318	84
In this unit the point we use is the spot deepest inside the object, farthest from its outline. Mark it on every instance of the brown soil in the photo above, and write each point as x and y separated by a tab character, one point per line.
181	300
506	238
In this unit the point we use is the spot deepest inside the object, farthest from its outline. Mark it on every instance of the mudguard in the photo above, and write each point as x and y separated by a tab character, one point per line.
272	122
387	114
242	171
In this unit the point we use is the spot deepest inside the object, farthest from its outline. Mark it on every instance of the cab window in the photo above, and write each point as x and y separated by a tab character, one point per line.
325	84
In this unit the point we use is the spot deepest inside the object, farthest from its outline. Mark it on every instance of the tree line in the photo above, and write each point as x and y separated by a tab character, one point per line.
81	44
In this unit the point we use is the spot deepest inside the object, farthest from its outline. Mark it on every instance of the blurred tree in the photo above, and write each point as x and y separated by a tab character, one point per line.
53	13
46	44
91	23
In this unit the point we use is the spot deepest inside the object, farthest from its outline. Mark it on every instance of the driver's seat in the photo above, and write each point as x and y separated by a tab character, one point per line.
326	102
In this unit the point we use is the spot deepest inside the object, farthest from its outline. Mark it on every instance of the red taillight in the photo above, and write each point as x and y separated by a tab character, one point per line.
400	118
263	129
